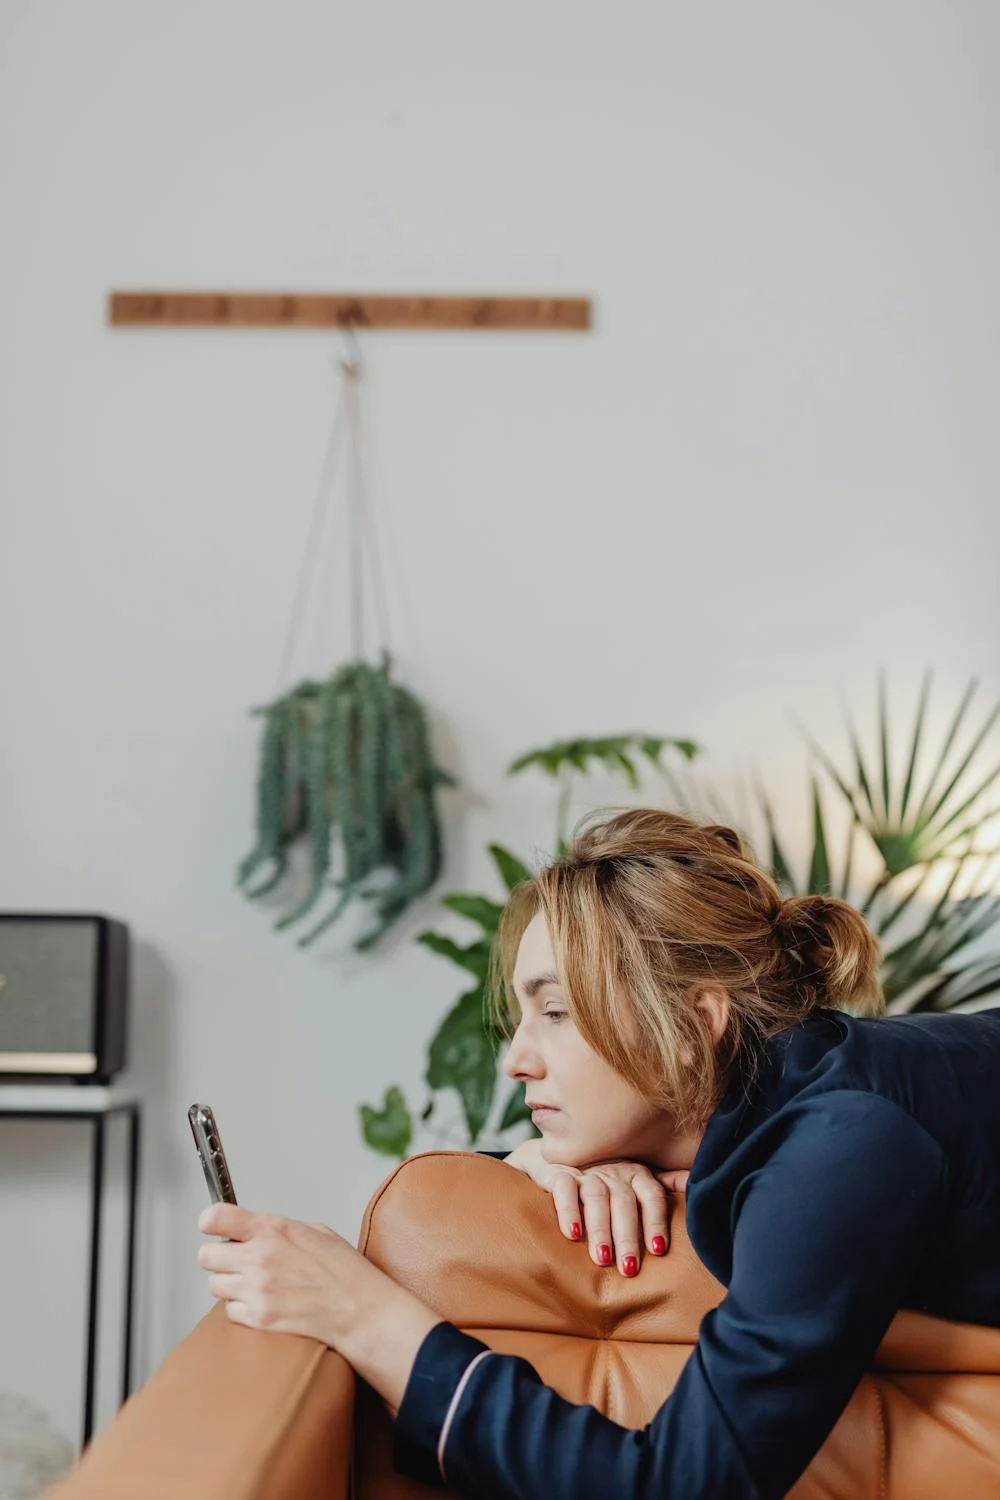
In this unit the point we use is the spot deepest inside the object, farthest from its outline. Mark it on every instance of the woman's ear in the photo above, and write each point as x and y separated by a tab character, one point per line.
714	1001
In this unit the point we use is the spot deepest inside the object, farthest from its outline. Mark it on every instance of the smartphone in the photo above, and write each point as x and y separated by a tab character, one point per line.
213	1158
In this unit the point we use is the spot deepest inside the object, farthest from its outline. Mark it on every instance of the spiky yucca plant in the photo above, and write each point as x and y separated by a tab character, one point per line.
918	820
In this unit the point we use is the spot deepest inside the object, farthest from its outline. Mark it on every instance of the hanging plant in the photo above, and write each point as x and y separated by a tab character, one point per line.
347	763
346	768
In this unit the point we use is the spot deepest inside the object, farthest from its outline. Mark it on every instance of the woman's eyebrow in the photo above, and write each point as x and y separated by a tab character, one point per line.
530	987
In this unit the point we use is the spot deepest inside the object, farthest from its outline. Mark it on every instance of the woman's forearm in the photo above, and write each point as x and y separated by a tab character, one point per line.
382	1334
381	1331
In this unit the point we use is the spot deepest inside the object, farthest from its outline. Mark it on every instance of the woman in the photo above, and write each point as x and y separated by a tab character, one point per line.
674	1015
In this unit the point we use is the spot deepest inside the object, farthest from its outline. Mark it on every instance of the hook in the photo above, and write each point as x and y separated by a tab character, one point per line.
351	362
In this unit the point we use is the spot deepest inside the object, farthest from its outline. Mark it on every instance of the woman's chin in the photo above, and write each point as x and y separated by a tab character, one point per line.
560	1152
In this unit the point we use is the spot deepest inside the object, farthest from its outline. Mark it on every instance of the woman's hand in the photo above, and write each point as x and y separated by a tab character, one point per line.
280	1274
603	1202
283	1276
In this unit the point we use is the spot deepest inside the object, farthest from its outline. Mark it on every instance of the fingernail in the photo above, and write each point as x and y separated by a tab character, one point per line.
630	1265
575	1232
604	1254
658	1245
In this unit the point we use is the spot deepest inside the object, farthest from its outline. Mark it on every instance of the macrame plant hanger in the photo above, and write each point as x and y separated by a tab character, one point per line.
362	532
346	764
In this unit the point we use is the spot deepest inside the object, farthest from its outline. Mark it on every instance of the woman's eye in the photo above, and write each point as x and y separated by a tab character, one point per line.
554	1015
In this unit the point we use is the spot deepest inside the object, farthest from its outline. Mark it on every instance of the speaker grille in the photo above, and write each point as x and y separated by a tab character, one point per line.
48	986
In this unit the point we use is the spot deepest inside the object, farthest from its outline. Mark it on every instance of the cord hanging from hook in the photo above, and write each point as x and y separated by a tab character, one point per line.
363	542
346	766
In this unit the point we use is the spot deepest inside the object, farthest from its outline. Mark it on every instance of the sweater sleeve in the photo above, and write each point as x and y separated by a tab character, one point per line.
828	1232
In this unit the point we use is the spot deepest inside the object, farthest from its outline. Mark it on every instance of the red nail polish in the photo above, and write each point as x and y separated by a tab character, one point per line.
630	1265
659	1245
575	1232
604	1254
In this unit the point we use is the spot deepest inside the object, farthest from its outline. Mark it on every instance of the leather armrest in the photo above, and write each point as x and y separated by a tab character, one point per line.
231	1414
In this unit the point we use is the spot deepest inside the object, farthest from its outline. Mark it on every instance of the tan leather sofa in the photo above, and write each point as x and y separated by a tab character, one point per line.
238	1415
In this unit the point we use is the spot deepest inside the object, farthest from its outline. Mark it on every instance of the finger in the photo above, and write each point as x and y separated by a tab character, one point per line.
651	1196
625	1228
595	1201
674	1182
221	1255
566	1197
225	1286
229	1221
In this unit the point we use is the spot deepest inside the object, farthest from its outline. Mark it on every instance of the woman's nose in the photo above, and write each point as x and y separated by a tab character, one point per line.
521	1061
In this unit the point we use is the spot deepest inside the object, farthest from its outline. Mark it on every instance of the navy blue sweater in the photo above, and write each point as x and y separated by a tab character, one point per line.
856	1173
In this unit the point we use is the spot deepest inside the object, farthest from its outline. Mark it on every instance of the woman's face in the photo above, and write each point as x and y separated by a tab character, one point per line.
592	1113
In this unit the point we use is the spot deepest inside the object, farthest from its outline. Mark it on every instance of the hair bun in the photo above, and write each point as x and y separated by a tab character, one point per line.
832	951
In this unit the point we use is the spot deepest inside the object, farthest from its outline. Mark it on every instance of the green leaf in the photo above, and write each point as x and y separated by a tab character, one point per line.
462	1056
388	1130
971	982
576	754
919	955
918	730
900	849
892	916
475	958
610	750
883	725
845	879
920	816
688	748
838	780
780	868
628	766
512	871
861	772
653	746
538	758
477	908
954	835
961	770
879	886
819	864
515	1110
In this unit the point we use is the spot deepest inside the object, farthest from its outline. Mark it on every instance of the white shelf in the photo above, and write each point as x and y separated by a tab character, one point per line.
91	1099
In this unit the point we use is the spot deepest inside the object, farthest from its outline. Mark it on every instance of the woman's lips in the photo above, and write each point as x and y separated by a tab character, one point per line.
541	1110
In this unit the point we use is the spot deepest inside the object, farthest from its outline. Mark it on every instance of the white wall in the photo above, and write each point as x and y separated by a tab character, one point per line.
772	467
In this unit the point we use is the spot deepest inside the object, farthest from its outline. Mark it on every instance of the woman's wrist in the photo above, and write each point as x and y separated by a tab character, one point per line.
527	1153
381	1332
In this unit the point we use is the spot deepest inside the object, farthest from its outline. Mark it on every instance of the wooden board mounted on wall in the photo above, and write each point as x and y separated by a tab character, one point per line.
308	310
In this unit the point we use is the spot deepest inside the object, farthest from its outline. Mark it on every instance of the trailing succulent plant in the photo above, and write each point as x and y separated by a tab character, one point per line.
347	762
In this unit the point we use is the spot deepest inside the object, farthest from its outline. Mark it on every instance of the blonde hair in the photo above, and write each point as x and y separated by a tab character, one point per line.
646	909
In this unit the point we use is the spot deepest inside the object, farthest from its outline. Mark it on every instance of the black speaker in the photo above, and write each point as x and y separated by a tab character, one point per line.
64	984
